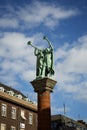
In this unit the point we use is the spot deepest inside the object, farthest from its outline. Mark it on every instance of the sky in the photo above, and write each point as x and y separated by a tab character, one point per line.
64	22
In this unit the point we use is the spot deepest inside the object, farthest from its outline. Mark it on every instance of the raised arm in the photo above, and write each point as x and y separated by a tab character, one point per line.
50	45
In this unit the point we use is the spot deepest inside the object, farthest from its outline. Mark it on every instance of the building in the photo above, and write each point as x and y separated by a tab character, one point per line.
61	122
17	112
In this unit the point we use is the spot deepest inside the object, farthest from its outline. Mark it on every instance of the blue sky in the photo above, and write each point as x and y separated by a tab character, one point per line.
64	22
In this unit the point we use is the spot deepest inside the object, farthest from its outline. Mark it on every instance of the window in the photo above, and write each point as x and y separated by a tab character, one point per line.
23	115
30	118
3	126
13	113
4	110
19	96
22	126
10	93
13	128
1	89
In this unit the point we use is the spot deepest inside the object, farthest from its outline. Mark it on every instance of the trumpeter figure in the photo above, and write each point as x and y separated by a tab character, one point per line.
44	66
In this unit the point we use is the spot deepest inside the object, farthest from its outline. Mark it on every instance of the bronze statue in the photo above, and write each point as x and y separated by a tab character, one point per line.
44	67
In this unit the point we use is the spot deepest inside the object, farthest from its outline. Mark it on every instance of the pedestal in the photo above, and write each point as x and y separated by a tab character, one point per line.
43	87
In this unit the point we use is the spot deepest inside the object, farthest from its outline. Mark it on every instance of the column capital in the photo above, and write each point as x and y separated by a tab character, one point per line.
43	84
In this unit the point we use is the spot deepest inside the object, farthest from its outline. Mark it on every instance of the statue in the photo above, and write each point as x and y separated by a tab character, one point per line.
44	66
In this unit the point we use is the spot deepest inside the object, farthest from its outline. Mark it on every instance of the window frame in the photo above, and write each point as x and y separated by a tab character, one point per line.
4	110
23	114
30	118
3	124
13	113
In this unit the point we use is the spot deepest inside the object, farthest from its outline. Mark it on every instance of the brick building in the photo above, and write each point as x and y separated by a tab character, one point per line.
17	112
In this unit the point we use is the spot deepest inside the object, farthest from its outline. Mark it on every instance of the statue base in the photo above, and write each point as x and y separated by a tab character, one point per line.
43	84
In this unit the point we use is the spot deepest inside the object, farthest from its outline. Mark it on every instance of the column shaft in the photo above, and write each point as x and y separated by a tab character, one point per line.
44	112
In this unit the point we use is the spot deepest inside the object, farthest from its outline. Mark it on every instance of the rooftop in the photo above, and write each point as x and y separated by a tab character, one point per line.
12	95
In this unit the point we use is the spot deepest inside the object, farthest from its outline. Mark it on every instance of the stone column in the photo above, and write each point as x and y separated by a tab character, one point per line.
43	87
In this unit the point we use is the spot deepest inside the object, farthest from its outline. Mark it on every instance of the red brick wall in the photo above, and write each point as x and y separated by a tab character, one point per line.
16	122
44	118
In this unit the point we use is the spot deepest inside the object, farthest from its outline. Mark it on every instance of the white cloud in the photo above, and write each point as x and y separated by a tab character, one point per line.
35	14
14	45
71	68
17	58
8	23
70	63
81	94
28	75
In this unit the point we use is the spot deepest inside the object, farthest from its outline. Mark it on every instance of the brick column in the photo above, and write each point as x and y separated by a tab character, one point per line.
43	87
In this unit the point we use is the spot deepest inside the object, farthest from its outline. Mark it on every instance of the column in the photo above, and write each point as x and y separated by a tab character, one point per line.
44	87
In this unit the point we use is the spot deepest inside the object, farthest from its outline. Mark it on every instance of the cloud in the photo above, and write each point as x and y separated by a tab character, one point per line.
16	57
9	23
70	63
33	15
18	62
71	68
81	94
